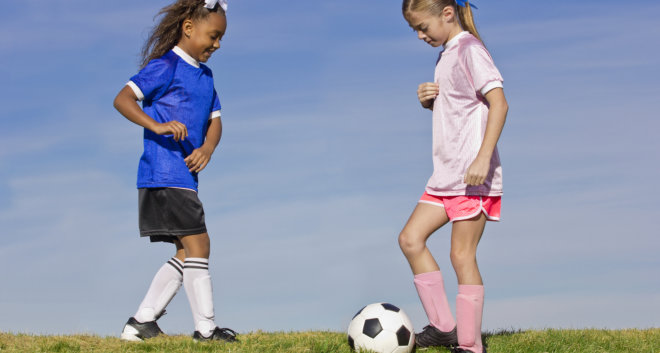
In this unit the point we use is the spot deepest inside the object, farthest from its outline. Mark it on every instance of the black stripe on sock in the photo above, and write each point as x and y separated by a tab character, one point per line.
175	267
197	267
176	262
196	262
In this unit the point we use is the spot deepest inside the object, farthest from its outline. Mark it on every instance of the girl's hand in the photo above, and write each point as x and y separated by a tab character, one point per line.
426	93
176	129
477	172
198	159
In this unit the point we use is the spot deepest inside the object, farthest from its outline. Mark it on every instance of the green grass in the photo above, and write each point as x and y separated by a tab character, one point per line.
547	341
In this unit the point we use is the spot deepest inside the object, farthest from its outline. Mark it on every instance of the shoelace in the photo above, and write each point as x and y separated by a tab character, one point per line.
163	313
424	334
428	336
228	331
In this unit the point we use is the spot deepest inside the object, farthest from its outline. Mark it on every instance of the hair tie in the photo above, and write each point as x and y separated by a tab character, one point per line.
210	4
462	3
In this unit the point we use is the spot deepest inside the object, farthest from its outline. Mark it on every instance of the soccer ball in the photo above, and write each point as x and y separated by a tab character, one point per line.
382	328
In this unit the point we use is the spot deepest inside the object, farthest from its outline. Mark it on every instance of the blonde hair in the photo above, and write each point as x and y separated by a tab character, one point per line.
435	7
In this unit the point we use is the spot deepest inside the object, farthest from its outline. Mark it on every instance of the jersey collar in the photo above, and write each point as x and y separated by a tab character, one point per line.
454	41
187	58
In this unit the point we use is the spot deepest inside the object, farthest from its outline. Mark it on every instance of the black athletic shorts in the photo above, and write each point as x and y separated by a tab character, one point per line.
167	213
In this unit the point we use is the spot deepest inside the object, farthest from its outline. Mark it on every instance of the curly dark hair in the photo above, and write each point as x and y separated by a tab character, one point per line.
167	32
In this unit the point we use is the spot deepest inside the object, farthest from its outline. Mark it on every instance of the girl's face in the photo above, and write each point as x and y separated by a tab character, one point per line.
202	37
433	29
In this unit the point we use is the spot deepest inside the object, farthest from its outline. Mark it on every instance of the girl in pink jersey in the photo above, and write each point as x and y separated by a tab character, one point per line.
469	110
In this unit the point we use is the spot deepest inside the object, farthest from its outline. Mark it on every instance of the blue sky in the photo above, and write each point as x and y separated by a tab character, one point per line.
324	154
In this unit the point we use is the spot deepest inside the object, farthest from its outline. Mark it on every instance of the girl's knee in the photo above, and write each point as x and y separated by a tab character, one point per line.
203	239
198	245
410	245
462	257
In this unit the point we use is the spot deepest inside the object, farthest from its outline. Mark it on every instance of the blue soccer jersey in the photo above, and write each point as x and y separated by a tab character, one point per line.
174	87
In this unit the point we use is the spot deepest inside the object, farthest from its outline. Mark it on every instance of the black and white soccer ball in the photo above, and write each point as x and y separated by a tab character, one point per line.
382	328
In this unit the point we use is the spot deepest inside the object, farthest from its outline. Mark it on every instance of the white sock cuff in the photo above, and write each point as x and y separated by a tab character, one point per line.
176	264
197	259
197	263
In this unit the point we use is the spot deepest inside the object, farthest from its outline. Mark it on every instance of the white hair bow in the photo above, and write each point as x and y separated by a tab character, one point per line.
210	4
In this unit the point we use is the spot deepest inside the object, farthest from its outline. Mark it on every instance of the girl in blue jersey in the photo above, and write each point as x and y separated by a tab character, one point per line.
181	118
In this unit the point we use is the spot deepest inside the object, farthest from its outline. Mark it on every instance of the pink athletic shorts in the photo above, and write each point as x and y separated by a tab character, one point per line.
459	208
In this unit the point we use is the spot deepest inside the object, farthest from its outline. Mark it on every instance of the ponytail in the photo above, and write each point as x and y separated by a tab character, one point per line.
434	7
467	19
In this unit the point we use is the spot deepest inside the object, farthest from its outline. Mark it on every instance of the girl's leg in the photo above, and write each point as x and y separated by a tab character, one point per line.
470	299
163	288
197	282
429	283
180	251
198	245
424	220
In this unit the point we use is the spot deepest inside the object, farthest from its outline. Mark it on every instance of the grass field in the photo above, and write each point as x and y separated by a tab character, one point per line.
551	341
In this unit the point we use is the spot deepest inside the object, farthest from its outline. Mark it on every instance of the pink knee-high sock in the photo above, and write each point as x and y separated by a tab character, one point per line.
469	311
431	289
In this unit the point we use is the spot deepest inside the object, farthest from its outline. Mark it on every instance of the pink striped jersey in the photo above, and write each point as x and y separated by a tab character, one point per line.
465	72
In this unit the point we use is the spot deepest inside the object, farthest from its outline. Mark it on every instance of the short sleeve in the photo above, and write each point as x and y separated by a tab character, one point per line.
481	69
215	110
152	79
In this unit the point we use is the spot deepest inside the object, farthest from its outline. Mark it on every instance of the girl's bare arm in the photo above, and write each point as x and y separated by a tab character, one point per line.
126	104
478	170
200	158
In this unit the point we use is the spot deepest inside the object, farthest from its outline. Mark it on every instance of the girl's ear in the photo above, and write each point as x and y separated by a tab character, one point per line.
187	27
448	14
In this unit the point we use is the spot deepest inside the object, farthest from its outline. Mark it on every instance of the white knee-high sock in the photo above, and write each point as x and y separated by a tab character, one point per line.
197	282
165	285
